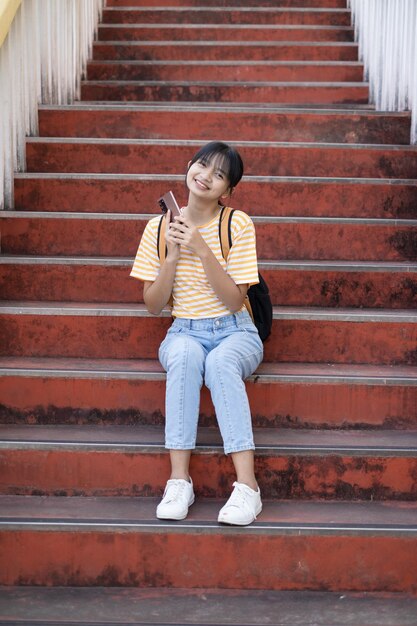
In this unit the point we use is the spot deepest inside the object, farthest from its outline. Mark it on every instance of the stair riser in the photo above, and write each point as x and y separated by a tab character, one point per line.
231	126
318	73
228	33
254	561
261	161
228	93
310	341
297	287
103	474
111	237
49	400
229	16
326	4
222	52
286	198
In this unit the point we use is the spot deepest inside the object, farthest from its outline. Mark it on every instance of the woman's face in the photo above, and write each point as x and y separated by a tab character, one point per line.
207	178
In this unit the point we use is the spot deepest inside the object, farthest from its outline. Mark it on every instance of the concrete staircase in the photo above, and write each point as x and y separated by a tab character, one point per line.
332	187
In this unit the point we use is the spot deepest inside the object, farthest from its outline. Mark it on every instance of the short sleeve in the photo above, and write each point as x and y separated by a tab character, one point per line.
242	264
147	265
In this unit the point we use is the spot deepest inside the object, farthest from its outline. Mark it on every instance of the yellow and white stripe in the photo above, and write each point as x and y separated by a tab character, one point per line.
193	297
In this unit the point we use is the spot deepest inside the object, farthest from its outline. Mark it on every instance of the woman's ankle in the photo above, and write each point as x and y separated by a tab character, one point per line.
180	476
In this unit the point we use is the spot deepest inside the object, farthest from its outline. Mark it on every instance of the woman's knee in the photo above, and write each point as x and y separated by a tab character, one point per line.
219	366
227	360
183	351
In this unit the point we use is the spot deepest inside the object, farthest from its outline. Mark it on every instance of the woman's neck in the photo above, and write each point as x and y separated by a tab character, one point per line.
200	212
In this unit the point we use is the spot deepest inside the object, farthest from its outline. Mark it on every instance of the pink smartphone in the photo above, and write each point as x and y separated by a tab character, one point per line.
169	203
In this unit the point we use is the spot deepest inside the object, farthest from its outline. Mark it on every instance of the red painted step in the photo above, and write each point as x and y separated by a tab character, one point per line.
277	196
120	392
225	51
298	608
233	15
117	235
292	283
266	159
222	32
131	460
222	91
175	121
334	404
298	335
216	71
294	545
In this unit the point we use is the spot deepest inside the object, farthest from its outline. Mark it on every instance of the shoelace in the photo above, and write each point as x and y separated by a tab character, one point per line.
174	491
239	498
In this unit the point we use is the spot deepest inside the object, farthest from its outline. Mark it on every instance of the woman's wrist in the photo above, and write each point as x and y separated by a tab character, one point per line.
204	251
171	258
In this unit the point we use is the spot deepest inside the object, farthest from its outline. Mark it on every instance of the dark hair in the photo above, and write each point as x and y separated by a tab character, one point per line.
231	159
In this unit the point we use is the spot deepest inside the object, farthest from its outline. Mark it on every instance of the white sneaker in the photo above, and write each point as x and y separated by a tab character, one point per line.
242	507
178	496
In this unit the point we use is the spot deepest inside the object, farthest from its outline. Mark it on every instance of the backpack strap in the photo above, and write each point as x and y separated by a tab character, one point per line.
225	236
161	247
225	230
160	239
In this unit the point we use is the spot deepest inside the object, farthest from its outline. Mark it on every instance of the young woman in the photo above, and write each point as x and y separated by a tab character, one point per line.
212	339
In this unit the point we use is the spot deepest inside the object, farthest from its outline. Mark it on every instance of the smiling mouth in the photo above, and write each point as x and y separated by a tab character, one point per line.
201	184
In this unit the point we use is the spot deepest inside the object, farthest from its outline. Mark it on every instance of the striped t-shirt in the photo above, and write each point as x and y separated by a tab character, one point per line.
193	297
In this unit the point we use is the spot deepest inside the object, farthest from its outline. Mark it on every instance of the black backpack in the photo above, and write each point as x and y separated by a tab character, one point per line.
257	301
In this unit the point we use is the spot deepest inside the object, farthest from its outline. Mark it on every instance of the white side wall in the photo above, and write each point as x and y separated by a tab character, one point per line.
386	31
41	60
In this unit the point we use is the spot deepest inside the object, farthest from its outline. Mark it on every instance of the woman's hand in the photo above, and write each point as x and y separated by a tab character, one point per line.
183	233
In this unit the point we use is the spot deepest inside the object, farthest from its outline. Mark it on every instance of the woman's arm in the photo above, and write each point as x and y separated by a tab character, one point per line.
156	294
232	295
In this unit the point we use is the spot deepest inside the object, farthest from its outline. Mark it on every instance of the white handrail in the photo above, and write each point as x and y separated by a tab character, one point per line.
42	59
386	31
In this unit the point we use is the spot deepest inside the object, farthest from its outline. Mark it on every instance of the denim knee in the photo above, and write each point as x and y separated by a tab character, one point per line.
178	347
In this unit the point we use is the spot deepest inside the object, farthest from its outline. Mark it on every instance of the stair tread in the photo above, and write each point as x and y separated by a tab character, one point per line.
248	179
397	316
228	83
147	63
277	516
328	265
151	26
271	440
266	106
257	219
254	9
146	368
230	42
216	607
251	144
334	110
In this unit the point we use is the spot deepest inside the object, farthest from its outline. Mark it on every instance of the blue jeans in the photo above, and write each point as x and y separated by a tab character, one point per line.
221	352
